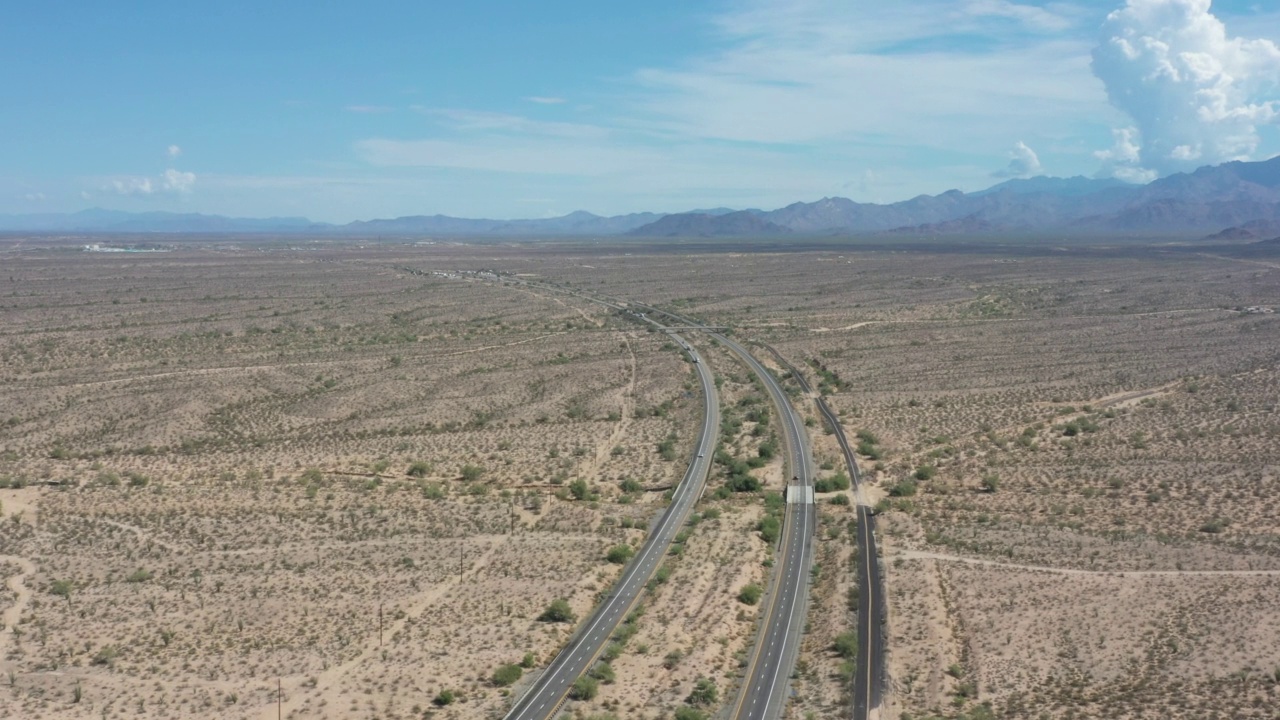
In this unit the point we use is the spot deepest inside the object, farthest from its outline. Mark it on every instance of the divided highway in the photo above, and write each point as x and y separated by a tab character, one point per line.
764	692
548	692
869	674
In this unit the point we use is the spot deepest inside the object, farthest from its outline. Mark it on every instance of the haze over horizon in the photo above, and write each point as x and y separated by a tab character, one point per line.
504	111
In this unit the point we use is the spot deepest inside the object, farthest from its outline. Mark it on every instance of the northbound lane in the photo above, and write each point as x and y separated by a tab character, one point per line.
548	692
869	673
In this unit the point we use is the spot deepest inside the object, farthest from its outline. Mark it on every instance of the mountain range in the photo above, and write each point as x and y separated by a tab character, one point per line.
1235	200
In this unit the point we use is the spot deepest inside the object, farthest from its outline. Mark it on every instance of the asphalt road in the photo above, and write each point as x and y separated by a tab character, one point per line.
543	699
868	680
764	692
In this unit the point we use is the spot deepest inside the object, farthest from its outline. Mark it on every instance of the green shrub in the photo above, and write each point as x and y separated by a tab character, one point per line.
105	655
604	673
906	488
835	483
443	698
507	675
661	576
667	448
579	490
61	588
1215	526
139	575
558	611
619	554
704	693
770	529
846	645
750	594
585	688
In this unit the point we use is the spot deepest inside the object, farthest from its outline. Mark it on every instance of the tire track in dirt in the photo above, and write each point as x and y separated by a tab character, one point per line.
627	403
296	695
17	585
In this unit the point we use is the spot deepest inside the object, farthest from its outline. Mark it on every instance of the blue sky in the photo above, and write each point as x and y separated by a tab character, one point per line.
506	109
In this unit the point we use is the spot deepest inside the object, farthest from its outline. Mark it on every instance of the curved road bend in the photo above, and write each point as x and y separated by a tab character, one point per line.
868	680
544	698
764	692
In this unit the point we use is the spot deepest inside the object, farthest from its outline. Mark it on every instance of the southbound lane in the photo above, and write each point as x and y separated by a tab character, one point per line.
764	692
868	678
548	692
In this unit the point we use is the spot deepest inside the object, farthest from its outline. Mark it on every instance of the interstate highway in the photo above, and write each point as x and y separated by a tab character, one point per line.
544	698
869	674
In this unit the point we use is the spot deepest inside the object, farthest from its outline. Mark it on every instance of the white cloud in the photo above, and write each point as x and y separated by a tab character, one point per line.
815	71
1054	18
1124	159
1023	163
476	120
171	181
174	151
369	109
542	100
177	181
1196	95
35	197
130	186
789	98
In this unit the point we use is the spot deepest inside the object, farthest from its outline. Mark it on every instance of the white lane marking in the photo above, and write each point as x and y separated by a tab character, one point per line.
647	555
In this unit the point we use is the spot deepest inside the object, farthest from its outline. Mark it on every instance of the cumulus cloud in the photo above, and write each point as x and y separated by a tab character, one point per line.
174	151
171	181
1124	159
1023	163
35	197
177	181
1196	95
131	186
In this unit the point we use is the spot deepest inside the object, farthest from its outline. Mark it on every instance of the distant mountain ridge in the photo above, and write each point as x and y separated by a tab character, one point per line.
99	220
743	223
1203	203
575	223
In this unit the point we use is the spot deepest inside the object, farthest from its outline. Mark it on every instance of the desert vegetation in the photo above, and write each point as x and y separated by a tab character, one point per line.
389	481
226	470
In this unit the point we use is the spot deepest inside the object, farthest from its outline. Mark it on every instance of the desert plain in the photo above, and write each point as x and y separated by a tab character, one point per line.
249	477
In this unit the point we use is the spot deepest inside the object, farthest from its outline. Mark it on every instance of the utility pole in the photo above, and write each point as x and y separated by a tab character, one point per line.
279	699
379	623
